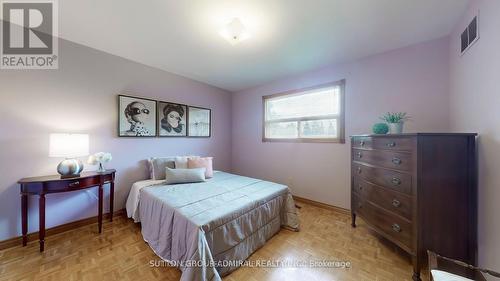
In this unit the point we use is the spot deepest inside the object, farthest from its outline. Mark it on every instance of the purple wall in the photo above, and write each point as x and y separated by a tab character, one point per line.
412	79
475	102
82	97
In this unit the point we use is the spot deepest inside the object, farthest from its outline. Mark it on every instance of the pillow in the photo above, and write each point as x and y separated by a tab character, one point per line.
181	162
157	167
205	162
439	275
184	175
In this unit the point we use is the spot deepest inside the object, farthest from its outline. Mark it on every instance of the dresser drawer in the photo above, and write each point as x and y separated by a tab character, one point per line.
394	227
388	159
356	203
395	202
393	143
386	178
361	142
71	184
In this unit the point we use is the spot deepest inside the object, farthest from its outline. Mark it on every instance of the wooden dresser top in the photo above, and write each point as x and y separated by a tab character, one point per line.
415	134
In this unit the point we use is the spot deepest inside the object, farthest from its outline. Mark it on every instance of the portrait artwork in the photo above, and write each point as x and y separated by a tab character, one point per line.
172	119
136	117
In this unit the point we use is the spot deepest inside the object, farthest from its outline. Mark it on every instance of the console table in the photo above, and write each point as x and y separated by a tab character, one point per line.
54	184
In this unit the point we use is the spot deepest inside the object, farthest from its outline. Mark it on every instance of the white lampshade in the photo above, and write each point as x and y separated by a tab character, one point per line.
69	145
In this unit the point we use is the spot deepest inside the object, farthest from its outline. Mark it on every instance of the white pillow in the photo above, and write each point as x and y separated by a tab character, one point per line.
439	275
181	162
184	175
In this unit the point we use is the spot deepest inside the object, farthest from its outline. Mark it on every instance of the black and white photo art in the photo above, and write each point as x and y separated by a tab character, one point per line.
136	117
172	119
199	122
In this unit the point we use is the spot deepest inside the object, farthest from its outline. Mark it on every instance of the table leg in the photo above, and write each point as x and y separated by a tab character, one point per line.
99	218
24	217
111	199
417	264
41	214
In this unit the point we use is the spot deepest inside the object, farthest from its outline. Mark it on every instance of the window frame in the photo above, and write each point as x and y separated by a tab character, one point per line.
340	117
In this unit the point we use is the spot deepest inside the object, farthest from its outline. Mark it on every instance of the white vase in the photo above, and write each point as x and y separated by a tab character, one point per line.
396	128
101	168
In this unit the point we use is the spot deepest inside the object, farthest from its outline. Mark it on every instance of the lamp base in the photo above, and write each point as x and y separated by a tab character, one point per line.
70	168
70	176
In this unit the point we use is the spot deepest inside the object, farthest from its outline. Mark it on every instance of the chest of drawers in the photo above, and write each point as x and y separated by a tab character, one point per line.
419	191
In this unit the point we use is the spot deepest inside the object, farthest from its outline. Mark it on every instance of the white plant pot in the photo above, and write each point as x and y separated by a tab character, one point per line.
396	128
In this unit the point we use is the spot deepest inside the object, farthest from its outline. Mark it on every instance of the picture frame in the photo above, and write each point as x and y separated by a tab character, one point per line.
199	122
172	119
136	116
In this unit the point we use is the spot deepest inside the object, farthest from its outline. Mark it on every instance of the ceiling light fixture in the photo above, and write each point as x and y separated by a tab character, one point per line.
234	32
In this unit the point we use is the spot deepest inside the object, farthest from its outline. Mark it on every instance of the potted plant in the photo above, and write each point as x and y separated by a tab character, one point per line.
380	128
395	120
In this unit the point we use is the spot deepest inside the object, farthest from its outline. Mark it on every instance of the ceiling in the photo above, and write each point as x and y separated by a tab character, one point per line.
288	36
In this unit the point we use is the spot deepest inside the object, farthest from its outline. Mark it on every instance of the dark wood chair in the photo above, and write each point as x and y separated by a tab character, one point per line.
438	262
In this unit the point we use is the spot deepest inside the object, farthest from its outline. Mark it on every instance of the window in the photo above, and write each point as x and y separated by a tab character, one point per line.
309	115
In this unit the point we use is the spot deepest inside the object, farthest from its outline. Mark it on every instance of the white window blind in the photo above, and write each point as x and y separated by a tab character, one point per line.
313	114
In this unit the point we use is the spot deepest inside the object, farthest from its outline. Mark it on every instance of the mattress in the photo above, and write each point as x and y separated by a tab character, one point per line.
208	229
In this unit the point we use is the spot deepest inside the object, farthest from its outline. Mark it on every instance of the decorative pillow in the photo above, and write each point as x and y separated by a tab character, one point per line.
181	162
157	166
184	175
205	162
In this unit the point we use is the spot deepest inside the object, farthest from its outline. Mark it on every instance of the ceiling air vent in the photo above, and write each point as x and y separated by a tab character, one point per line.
469	36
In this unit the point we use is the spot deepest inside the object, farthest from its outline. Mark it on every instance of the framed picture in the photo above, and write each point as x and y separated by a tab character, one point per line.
136	117
199	122
172	119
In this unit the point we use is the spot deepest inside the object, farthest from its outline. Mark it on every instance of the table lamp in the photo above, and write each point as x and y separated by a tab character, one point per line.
69	146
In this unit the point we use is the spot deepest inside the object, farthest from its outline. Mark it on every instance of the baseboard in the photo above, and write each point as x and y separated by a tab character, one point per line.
16	241
322	205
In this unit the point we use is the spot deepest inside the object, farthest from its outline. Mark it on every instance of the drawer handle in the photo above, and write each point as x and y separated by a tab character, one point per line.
73	184
396	227
396	181
396	161
391	144
360	187
396	203
359	170
359	154
362	143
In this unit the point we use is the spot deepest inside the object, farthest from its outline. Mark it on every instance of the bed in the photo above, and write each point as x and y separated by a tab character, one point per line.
208	229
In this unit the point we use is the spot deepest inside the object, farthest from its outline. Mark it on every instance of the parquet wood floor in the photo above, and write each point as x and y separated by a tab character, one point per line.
119	253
